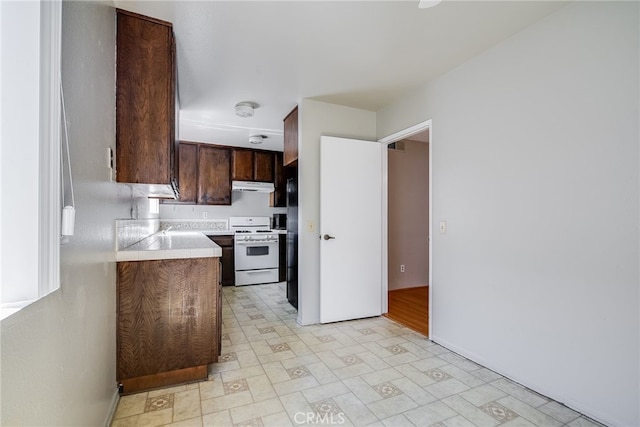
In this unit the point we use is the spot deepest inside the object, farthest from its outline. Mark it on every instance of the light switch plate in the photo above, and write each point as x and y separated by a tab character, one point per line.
110	163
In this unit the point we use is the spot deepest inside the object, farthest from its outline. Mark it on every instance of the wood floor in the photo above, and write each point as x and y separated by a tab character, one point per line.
410	307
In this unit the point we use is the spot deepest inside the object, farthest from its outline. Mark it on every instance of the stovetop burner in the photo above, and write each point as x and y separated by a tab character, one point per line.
250	225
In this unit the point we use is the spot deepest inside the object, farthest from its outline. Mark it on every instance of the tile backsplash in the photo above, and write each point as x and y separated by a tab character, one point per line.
195	224
243	204
131	231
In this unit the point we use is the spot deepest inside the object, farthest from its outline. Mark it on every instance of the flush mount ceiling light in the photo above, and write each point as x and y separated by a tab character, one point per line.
425	4
245	109
257	139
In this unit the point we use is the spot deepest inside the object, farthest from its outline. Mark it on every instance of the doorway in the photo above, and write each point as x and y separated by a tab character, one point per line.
408	229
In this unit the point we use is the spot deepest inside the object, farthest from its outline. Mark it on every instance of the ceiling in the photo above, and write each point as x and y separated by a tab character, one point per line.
359	54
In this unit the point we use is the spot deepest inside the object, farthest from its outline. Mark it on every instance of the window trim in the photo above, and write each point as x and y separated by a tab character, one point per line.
50	147
47	195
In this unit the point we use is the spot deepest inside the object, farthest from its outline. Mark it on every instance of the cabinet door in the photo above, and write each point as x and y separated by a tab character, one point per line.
228	266
144	100
228	261
263	166
242	165
219	315
214	175
279	196
291	138
174	142
188	172
166	315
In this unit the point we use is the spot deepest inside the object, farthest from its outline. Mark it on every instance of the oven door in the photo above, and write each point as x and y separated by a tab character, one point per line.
256	255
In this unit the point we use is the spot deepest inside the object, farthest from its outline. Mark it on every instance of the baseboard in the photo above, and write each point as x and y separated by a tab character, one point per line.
163	379
112	408
568	402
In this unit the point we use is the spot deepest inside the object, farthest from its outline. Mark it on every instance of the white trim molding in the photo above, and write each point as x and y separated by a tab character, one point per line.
31	33
50	137
390	139
406	133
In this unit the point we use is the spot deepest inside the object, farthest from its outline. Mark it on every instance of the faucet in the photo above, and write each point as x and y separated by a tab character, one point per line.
167	229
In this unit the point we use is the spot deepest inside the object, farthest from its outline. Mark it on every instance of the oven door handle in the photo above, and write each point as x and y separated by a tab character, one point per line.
257	242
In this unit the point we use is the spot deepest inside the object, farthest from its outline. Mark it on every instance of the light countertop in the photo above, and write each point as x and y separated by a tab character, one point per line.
170	245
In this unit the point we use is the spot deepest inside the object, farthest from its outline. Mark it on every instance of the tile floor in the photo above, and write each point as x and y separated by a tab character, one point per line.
370	372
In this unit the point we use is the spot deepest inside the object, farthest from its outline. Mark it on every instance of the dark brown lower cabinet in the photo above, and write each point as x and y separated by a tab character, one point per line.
167	321
228	259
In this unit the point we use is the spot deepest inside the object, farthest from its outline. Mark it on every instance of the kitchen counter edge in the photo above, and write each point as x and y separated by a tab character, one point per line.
171	245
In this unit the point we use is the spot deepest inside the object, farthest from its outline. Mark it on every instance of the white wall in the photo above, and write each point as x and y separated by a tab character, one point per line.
408	220
315	120
536	171
242	204
58	354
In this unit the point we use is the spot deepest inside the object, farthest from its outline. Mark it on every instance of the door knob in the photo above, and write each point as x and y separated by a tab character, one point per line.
327	237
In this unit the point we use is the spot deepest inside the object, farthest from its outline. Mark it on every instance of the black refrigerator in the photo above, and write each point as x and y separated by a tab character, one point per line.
292	240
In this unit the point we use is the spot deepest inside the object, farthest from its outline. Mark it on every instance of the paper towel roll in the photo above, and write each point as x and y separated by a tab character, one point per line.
68	220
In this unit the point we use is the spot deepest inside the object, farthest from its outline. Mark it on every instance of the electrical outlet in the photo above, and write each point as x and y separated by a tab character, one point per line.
311	226
204	215
443	227
401	268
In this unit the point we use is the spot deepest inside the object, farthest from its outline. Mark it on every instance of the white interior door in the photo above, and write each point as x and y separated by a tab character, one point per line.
351	229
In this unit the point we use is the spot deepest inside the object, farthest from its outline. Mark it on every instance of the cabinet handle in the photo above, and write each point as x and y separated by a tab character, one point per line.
327	237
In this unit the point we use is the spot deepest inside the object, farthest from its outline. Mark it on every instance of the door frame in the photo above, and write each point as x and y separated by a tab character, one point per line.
390	139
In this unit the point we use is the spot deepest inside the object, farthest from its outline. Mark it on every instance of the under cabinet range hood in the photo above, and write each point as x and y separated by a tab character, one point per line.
259	187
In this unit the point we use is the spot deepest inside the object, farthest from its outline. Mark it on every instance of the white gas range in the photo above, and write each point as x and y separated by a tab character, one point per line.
256	250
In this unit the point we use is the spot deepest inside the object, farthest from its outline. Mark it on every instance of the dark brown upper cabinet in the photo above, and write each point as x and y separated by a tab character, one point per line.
279	196
242	165
188	172
214	175
263	166
145	100
291	138
206	172
253	165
